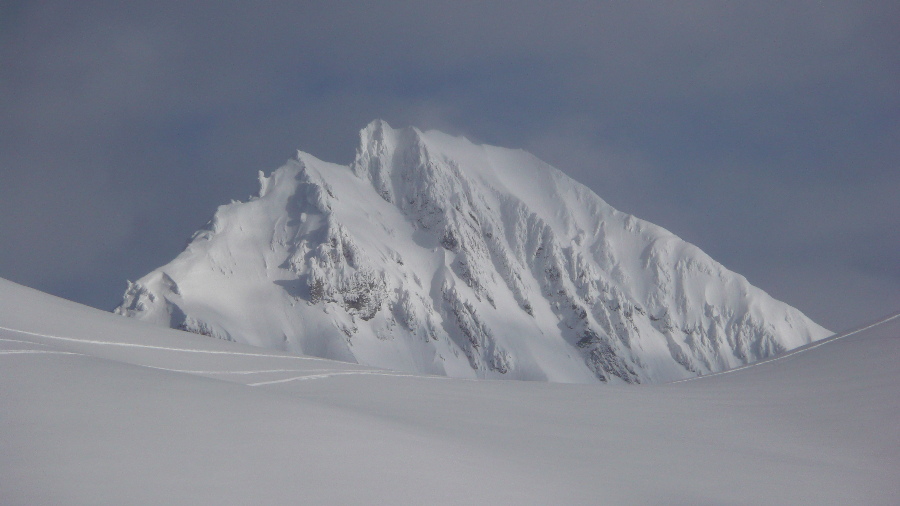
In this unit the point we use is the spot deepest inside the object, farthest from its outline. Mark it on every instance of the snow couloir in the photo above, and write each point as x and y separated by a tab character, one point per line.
432	254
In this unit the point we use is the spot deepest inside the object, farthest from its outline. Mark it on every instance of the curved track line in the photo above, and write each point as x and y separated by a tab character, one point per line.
218	352
150	347
262	371
342	373
795	352
46	352
187	350
21	341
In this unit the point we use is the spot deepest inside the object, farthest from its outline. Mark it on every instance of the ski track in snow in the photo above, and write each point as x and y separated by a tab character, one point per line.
261	371
23	342
32	352
343	373
324	373
795	352
329	373
165	348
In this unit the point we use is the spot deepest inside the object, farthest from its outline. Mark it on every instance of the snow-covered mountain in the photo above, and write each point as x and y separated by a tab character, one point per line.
432	254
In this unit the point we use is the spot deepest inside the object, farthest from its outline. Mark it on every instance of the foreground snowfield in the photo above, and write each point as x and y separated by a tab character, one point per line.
100	409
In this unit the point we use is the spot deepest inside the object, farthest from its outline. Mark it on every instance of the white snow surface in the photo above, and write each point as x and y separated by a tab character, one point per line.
432	254
99	409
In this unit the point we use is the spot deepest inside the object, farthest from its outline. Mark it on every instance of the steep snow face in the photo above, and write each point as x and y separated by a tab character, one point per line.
433	254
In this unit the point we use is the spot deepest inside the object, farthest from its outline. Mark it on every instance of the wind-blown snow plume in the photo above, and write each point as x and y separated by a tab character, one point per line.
433	254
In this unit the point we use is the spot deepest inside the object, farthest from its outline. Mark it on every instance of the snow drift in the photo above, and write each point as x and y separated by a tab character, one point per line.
99	409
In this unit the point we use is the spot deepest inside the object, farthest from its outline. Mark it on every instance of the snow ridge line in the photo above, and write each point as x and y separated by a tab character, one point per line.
147	346
795	352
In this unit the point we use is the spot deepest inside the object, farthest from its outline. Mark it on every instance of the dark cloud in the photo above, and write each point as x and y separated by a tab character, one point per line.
767	133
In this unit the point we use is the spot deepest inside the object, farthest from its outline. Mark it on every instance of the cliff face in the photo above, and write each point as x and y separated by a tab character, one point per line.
432	254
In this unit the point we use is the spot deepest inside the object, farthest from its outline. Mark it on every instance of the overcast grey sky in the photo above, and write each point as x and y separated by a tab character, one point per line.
767	133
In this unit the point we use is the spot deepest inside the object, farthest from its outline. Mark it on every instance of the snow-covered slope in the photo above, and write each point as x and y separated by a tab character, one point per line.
432	254
98	409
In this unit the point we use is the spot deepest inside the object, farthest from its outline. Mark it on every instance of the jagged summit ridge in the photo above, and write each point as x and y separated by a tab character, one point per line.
432	254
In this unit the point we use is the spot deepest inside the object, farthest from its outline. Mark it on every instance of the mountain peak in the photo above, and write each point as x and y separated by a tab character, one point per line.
379	135
379	142
432	254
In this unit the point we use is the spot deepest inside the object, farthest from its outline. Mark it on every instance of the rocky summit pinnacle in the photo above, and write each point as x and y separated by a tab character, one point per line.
435	255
